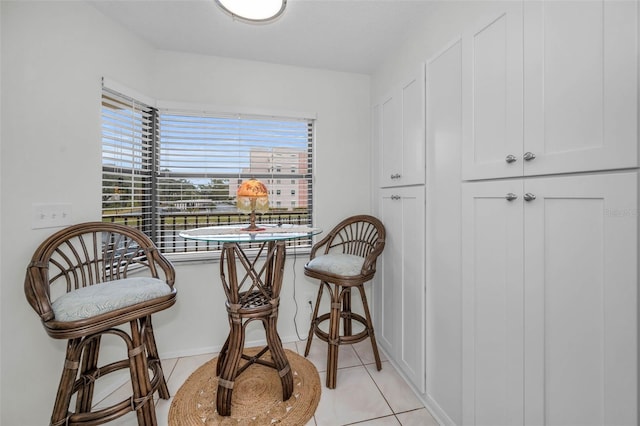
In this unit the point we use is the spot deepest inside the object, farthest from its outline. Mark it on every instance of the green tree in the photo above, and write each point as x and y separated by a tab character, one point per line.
216	190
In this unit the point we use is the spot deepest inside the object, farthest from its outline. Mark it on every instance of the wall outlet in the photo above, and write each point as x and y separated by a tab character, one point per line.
50	215
309	304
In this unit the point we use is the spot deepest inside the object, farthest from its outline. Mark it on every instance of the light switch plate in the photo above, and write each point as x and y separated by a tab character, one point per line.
51	215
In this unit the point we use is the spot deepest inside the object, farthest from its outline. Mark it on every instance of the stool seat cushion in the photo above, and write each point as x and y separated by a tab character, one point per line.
347	265
105	297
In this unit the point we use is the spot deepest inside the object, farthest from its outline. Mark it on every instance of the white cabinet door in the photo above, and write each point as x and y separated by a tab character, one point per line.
388	291
581	314
551	87
492	95
550	301
402	134
402	290
413	130
581	85
492	319
390	133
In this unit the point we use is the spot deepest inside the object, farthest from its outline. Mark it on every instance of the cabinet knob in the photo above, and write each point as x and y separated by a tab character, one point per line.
395	176
511	196
529	196
395	197
511	158
528	156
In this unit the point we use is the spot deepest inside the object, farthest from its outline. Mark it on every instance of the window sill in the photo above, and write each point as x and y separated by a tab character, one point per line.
208	256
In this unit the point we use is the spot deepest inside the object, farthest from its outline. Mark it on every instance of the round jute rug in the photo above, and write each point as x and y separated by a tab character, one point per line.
257	396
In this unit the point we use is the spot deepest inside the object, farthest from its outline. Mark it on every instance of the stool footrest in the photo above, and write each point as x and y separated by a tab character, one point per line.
347	340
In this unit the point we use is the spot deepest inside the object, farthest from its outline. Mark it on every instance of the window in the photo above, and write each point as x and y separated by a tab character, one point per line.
128	129
167	170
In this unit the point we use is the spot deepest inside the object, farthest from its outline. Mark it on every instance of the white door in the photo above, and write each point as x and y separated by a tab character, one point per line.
581	317
492	94
580	86
492	316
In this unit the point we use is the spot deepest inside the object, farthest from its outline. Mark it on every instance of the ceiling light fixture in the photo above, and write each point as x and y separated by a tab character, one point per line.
256	11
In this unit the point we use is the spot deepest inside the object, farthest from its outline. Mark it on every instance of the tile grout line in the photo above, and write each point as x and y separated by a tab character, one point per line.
377	387
383	395
374	418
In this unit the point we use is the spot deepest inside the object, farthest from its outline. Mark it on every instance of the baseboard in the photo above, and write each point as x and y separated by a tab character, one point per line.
216	348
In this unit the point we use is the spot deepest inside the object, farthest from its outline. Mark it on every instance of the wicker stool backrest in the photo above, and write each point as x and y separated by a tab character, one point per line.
86	254
360	235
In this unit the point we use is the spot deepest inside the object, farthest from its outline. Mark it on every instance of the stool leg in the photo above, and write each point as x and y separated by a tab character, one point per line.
65	389
84	399
346	311
334	337
222	356
142	396
279	357
314	319
153	356
372	336
229	368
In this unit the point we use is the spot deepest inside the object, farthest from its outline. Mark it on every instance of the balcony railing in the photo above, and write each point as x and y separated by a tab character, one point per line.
170	224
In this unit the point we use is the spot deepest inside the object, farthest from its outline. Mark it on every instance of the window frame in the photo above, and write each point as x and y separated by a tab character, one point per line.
150	220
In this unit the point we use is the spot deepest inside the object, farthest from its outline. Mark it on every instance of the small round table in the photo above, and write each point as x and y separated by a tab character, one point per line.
253	296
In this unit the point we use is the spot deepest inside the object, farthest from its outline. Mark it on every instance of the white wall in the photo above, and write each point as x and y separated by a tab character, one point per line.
340	102
53	57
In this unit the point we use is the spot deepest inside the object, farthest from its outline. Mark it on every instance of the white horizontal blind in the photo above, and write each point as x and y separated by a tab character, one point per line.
127	161
166	171
204	158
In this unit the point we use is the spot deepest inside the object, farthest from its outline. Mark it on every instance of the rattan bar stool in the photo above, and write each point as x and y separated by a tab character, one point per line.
85	282
252	296
344	259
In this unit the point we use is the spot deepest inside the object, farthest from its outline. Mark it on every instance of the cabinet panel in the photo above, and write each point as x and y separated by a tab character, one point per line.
492	304
444	244
580	87
492	67
403	287
581	300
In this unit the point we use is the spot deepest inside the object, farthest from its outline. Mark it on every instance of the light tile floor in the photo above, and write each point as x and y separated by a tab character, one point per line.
363	395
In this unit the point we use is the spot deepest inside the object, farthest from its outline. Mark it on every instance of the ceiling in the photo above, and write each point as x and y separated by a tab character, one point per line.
340	35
